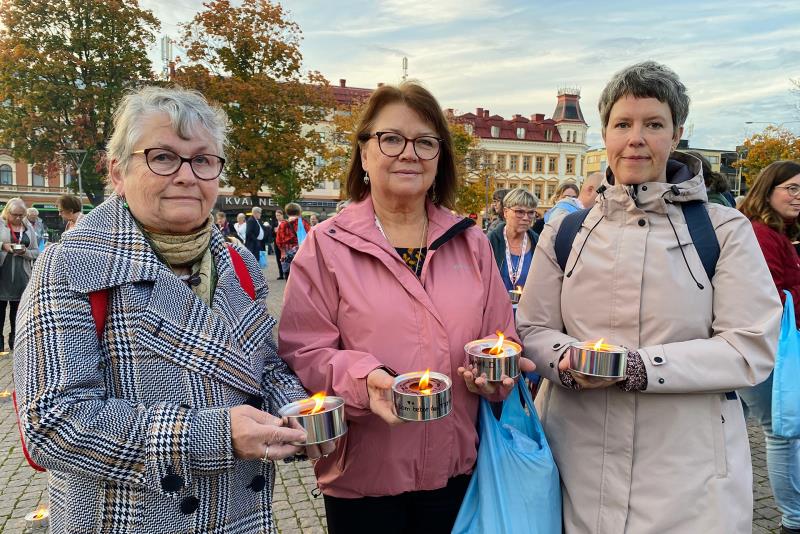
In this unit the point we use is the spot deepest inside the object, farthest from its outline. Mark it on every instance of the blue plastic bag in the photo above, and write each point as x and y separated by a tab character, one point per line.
515	488
262	259
786	377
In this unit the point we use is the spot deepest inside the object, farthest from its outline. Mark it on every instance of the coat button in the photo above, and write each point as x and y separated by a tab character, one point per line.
190	504
172	483
660	380
185	406
644	188
642	222
557	345
331	231
552	365
658	359
258	483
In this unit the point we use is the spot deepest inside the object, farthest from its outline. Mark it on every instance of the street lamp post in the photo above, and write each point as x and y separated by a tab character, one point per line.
77	154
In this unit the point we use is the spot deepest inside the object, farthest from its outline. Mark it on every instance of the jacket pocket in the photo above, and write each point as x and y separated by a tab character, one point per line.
718	432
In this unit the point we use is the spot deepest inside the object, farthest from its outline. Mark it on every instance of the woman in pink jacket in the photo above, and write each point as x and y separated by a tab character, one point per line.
395	283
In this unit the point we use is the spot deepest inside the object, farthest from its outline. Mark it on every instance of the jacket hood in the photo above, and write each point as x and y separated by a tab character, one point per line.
359	219
684	184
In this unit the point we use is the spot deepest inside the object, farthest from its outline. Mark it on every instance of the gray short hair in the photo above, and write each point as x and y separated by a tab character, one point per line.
188	112
520	197
33	211
646	80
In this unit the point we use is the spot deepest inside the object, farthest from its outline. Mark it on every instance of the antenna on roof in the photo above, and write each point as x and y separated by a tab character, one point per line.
405	68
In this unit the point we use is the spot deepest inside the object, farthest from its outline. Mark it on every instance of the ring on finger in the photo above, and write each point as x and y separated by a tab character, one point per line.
266	459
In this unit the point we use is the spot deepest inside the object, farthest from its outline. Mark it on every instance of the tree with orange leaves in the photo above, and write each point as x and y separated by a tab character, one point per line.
247	58
773	144
64	65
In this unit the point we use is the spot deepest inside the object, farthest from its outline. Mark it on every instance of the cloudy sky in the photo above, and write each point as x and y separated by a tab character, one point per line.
511	56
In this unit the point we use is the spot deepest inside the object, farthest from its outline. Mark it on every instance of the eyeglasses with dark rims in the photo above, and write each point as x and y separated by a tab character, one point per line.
392	144
165	162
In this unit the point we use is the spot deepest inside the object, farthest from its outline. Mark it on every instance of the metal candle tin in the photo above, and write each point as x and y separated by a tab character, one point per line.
419	407
16	247
38	519
5	396
322	426
495	366
610	362
514	295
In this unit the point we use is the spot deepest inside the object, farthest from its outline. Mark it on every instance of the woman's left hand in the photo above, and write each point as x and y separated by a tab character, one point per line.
492	391
314	451
587	382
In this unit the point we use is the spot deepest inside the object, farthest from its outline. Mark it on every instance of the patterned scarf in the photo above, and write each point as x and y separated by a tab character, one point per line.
188	251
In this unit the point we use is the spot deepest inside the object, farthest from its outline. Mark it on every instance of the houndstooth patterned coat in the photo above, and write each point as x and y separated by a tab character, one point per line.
134	428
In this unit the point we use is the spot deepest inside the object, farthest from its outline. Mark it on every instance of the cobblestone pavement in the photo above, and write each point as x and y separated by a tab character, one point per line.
297	511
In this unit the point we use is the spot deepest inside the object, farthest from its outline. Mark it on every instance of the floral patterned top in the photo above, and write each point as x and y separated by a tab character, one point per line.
414	258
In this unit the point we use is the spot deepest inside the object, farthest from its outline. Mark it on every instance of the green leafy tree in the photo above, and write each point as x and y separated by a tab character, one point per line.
771	145
64	65
247	58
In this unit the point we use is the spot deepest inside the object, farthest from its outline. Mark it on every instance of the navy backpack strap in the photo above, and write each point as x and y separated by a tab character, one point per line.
703	235
565	236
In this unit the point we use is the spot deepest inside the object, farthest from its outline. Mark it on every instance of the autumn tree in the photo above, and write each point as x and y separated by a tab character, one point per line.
64	65
773	144
337	150
247	58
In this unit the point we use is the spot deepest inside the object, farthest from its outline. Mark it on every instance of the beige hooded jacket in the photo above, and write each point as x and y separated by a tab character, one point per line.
674	458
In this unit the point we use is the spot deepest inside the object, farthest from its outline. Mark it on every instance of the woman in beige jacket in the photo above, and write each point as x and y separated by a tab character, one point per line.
665	450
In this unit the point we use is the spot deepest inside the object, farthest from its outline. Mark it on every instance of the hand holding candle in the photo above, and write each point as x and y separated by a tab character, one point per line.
491	362
253	430
595	365
379	389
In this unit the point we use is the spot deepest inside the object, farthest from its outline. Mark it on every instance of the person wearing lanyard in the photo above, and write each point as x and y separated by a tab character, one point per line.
513	242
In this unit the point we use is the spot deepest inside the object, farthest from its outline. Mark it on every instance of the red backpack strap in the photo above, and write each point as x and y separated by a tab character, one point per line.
98	300
245	280
25	452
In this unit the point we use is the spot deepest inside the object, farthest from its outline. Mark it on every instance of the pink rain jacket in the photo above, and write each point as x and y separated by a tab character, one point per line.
352	305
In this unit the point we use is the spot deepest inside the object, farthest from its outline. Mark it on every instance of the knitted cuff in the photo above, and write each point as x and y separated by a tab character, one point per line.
637	374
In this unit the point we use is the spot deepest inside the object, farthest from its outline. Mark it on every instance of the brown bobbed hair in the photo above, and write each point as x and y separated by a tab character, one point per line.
419	99
69	203
756	203
563	186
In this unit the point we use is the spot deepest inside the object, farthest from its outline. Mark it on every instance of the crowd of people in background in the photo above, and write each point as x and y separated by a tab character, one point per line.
130	443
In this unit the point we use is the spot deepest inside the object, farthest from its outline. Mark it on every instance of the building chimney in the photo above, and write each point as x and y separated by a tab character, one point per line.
517	116
486	113
479	112
342	82
538	117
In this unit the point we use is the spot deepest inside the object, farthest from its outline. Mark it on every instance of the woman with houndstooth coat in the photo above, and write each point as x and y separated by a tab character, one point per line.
155	415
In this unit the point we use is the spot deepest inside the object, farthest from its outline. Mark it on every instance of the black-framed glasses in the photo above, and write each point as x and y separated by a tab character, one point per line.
165	162
792	189
392	144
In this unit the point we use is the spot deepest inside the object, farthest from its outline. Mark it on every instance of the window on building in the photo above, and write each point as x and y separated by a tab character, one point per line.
37	180
6	175
501	161
569	136
551	164
487	158
495	131
520	133
539	163
548	135
570	165
537	190
512	163
526	163
549	189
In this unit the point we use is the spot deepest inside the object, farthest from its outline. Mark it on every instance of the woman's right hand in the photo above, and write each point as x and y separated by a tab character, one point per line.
252	431
379	389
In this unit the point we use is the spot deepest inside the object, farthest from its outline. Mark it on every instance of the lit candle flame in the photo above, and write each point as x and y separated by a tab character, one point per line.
498	348
519	289
424	382
600	346
41	513
319	399
5	393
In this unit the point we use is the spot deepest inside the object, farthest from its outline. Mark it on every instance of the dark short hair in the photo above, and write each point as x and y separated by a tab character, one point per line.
500	194
419	99
756	203
292	208
69	203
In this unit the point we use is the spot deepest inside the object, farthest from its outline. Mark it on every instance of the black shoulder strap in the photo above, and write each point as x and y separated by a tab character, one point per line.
565	236
703	235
